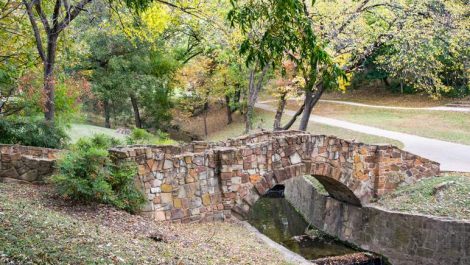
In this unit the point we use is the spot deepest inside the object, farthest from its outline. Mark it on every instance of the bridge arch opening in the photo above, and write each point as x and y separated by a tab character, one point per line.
338	190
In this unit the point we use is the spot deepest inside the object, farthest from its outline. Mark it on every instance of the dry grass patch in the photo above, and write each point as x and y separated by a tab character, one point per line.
37	228
447	196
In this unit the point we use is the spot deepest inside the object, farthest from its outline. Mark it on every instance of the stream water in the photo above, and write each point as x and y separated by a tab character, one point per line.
277	219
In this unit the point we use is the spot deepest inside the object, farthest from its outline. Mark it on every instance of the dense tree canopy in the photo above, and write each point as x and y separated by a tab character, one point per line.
131	61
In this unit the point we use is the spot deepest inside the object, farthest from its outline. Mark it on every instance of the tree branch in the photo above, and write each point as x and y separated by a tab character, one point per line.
294	118
34	25
74	11
45	23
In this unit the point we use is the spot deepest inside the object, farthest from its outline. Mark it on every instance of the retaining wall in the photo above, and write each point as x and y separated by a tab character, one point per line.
26	163
405	239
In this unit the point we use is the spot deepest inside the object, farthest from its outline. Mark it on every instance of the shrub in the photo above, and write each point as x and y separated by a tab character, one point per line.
86	174
141	136
33	133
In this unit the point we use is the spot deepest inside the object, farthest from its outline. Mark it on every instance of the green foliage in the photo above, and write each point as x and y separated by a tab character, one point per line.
142	136
139	136
123	67
87	174
32	132
278	30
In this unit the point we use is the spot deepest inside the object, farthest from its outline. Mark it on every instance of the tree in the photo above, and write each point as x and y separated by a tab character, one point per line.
275	30
61	14
288	84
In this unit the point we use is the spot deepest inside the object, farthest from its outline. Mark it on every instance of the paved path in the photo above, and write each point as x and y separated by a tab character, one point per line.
451	156
440	108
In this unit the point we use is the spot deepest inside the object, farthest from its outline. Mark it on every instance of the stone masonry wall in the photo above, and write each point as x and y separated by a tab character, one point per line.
405	239
26	163
206	181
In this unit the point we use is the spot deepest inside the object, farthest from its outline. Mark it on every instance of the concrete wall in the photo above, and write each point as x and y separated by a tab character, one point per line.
26	163
405	239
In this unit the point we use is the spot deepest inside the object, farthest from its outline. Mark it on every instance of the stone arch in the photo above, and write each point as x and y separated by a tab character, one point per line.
251	191
338	190
205	181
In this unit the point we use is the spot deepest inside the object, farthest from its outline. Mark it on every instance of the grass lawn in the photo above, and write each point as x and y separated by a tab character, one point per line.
78	131
37	228
452	199
264	120
442	125
382	97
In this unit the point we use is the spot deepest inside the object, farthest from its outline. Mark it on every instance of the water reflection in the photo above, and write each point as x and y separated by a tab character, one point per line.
277	219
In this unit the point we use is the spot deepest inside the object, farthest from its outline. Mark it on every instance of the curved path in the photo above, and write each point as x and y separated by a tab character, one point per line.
451	156
440	108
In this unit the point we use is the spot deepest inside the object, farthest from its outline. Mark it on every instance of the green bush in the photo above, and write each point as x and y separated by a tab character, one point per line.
33	133
85	173
141	136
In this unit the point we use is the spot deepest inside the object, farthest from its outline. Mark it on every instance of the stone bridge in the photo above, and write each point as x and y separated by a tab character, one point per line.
203	181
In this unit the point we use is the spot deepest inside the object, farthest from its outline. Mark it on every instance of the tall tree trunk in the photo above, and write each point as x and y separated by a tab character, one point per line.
135	106
49	80
311	99
253	89
280	110
107	114
228	109
206	109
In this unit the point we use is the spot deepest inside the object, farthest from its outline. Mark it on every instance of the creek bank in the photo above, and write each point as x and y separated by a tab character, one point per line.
405	239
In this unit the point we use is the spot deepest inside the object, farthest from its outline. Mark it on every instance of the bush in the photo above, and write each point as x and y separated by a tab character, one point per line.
87	174
32	133
141	136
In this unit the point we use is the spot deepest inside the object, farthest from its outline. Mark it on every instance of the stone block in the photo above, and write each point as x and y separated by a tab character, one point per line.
295	158
166	188
30	176
166	198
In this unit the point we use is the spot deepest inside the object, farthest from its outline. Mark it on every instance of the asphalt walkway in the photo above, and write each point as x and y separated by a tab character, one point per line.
439	108
451	156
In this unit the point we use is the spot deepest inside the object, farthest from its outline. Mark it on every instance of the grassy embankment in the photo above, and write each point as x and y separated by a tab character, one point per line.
37	228
447	195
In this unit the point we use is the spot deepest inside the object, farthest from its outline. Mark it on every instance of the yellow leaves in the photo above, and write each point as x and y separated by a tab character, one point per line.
343	83
156	18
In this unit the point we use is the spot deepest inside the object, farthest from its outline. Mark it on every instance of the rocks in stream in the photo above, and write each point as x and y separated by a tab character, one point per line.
362	258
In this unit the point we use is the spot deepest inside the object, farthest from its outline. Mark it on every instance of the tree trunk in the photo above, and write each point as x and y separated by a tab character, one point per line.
228	109
107	114
49	82
135	106
206	109
253	90
294	118
311	99
280	110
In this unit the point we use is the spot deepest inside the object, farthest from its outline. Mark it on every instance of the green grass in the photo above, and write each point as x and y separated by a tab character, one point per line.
442	125
264	119
78	131
453	201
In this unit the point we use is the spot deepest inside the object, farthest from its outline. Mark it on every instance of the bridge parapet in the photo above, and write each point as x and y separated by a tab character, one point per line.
207	181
